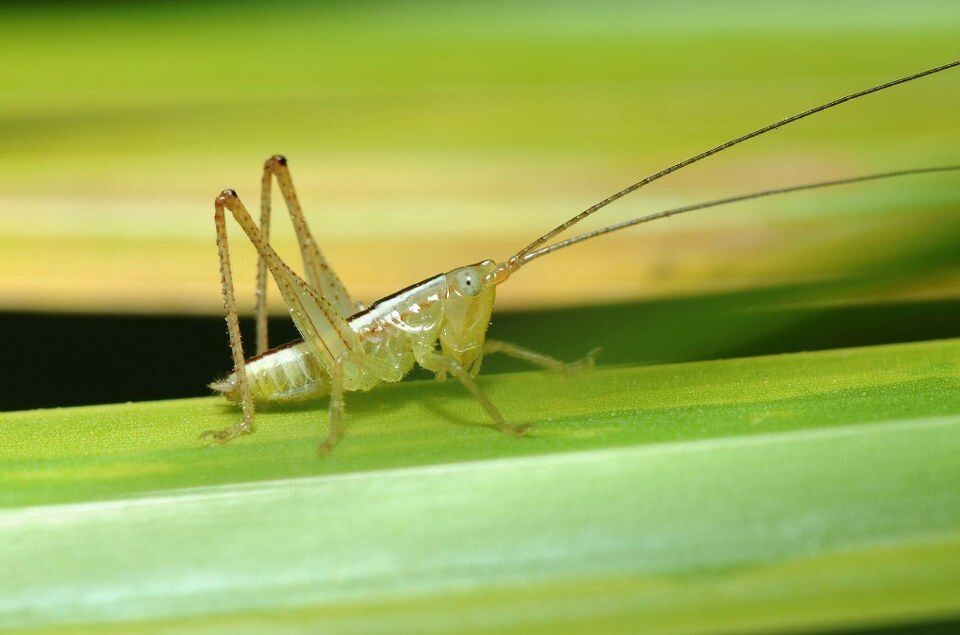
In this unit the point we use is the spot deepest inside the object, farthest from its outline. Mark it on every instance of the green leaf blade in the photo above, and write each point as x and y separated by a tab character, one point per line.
788	491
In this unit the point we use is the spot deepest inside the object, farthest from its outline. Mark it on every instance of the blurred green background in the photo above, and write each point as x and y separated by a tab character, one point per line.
427	135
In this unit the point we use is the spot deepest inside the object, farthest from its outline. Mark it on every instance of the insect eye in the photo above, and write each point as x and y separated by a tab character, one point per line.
469	281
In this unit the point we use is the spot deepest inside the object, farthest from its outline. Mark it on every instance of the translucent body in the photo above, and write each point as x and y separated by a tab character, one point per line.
444	316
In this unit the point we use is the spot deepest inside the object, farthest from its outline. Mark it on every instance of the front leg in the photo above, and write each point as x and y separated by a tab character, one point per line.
442	365
539	359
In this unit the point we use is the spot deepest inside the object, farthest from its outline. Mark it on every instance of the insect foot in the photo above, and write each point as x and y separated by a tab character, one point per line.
327	445
220	437
517	431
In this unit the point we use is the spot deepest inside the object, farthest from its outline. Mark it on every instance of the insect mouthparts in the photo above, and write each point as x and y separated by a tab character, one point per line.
502	272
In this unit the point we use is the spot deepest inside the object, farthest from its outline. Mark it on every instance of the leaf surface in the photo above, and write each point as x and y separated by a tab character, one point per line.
793	491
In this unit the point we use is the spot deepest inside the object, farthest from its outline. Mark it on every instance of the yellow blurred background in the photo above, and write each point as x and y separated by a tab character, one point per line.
426	135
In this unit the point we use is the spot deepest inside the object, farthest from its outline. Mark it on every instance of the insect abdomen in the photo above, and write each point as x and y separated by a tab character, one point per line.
282	375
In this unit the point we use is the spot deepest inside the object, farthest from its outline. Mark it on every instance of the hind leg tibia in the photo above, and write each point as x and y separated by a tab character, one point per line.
233	330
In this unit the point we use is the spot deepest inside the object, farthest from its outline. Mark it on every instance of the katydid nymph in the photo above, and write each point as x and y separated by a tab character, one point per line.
439	324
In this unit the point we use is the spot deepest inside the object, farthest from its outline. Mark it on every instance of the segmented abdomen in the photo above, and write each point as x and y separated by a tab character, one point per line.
281	375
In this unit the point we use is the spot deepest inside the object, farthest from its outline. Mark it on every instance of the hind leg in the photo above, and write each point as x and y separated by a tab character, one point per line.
245	426
316	268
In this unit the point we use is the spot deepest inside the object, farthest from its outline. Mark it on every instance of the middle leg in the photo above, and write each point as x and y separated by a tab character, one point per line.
336	408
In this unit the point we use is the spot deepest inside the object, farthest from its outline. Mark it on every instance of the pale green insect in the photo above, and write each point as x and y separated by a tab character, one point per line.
439	324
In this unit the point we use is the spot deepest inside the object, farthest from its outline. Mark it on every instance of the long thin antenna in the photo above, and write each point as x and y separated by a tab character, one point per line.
720	148
726	201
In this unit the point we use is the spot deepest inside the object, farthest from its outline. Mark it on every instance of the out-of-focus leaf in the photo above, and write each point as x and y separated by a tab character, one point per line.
436	134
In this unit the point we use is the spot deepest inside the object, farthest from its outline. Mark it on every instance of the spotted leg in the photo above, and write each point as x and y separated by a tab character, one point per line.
317	270
245	426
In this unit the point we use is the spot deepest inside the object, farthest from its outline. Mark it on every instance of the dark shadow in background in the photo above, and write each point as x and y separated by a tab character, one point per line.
61	360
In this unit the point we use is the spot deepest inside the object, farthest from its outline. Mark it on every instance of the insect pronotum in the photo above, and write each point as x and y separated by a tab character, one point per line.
439	323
